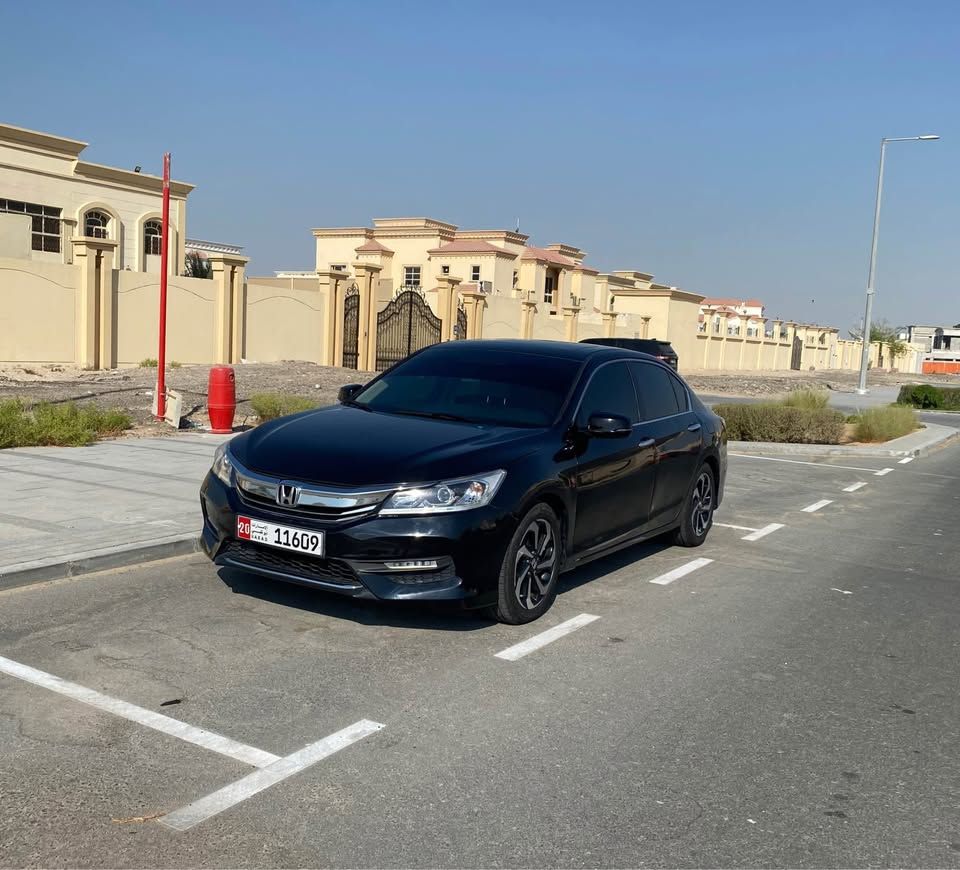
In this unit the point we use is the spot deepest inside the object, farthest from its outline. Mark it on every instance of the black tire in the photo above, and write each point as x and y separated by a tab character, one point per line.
696	515
537	547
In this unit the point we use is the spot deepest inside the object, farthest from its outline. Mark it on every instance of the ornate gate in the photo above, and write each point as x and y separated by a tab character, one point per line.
351	327
460	327
405	326
797	354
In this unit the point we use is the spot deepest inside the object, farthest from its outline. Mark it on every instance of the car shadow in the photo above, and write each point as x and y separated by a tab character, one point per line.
601	567
422	615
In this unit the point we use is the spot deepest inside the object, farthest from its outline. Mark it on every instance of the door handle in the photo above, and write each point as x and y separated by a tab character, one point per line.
647	442
693	427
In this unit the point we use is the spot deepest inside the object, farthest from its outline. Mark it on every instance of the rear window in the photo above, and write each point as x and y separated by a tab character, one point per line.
497	387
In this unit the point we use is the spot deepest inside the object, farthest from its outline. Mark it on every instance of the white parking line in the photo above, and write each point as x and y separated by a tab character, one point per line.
738	528
230	795
813	508
519	650
804	462
906	459
181	730
762	533
854	486
682	571
882	472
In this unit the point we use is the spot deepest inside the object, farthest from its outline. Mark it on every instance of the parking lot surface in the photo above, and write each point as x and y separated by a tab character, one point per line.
785	695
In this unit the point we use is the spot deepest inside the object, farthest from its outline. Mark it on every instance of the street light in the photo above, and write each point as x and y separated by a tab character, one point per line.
865	356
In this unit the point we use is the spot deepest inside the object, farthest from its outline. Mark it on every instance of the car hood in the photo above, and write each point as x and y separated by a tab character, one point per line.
344	446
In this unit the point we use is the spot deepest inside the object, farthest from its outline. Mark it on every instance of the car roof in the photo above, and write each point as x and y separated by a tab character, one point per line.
557	349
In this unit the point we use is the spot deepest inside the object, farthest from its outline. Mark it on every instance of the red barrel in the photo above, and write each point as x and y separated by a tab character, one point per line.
221	399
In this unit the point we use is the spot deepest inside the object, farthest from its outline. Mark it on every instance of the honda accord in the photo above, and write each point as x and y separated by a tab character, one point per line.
474	471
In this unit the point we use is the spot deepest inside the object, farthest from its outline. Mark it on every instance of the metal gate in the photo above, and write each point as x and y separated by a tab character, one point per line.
797	354
351	327
405	326
460	327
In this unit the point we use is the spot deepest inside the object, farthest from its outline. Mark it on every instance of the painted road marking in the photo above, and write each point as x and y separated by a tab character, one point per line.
813	508
854	486
762	533
519	650
882	472
165	724
230	795
738	528
682	571
804	462
905	460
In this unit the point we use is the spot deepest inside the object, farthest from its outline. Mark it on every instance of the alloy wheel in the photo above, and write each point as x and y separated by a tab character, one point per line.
535	564
702	504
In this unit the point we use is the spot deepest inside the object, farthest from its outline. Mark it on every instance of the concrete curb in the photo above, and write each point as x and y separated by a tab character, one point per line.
27	573
914	444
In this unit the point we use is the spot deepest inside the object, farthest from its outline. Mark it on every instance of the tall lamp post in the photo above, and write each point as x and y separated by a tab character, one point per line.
865	356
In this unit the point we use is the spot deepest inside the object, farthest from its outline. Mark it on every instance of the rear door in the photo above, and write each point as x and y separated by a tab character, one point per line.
614	476
666	411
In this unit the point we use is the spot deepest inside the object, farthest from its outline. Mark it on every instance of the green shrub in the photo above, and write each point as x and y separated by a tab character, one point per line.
269	406
920	396
810	399
882	424
781	423
148	363
65	425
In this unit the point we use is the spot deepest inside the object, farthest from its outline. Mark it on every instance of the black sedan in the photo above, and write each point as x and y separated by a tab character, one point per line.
474	471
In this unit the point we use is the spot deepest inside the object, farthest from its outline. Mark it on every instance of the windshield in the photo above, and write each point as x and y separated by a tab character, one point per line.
503	388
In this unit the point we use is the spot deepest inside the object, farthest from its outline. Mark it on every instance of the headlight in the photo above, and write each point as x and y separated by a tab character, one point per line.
450	495
222	467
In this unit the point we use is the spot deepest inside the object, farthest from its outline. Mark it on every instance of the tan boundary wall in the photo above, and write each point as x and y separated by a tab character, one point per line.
38	314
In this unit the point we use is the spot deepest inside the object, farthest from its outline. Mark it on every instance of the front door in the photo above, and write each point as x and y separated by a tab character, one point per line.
614	477
666	411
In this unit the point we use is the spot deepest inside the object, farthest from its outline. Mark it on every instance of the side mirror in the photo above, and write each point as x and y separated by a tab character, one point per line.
605	425
346	393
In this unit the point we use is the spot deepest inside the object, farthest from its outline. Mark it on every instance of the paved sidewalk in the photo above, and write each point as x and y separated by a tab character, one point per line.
67	510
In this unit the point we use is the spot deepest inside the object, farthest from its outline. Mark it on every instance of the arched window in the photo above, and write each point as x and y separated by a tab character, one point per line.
152	237
96	225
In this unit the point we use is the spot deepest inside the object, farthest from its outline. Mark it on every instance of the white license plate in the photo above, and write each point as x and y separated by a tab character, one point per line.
284	537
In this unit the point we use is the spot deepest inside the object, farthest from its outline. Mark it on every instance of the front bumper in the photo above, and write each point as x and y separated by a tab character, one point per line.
468	547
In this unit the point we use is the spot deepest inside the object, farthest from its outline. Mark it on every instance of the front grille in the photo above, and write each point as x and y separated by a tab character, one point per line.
313	511
335	572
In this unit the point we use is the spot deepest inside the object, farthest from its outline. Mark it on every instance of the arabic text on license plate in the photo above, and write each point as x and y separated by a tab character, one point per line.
284	537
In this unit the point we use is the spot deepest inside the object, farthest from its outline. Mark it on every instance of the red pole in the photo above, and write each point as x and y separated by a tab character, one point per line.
164	249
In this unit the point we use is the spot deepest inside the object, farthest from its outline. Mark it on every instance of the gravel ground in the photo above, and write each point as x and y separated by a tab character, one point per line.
131	388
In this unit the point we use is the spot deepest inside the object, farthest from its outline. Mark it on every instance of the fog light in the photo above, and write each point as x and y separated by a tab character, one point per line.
412	565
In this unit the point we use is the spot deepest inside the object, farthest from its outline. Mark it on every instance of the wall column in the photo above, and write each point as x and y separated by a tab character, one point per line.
723	339
228	276
473	303
609	319
762	326
93	259
645	329
528	309
330	283
570	316
367	275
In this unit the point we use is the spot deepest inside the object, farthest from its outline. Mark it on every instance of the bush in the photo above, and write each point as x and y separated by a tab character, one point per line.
806	398
269	406
781	423
882	424
148	363
920	396
57	425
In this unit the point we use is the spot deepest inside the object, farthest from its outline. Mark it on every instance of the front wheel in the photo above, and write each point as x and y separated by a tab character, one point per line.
527	585
696	516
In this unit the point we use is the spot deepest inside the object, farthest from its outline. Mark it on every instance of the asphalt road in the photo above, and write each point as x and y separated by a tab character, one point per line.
791	703
850	403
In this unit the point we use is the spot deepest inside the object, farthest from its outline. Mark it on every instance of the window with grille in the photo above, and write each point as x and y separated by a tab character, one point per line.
152	238
96	225
45	223
474	273
411	276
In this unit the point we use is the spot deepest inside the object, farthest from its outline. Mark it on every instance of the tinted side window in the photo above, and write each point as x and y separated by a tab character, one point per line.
657	398
610	391
680	393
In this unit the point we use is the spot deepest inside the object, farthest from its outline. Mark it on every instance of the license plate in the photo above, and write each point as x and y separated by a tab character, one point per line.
284	537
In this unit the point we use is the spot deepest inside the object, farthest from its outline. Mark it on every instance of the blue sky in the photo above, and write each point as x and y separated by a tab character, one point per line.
728	148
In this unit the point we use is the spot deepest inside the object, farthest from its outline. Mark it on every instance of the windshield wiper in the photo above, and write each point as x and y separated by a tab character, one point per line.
435	415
